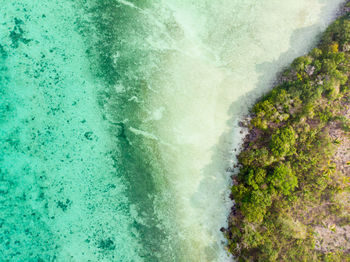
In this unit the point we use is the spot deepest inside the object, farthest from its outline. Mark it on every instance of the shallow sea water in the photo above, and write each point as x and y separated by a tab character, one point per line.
119	119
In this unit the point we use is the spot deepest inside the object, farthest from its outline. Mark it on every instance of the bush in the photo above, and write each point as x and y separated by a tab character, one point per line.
283	141
254	206
316	53
283	179
256	157
265	112
300	63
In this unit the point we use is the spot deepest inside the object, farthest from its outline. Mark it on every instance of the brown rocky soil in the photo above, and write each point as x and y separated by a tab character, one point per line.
332	235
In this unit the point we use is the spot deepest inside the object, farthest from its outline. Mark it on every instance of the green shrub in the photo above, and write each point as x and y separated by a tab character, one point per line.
282	141
254	206
283	179
300	63
256	157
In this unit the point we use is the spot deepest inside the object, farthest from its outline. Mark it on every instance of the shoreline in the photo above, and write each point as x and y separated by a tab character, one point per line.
253	134
245	120
243	123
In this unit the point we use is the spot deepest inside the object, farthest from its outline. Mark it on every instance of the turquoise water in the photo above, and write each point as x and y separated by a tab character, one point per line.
119	120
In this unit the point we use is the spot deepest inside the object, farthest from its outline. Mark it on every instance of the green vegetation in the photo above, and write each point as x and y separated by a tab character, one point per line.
290	182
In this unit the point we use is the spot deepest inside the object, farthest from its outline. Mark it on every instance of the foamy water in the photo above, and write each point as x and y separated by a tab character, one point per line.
119	120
